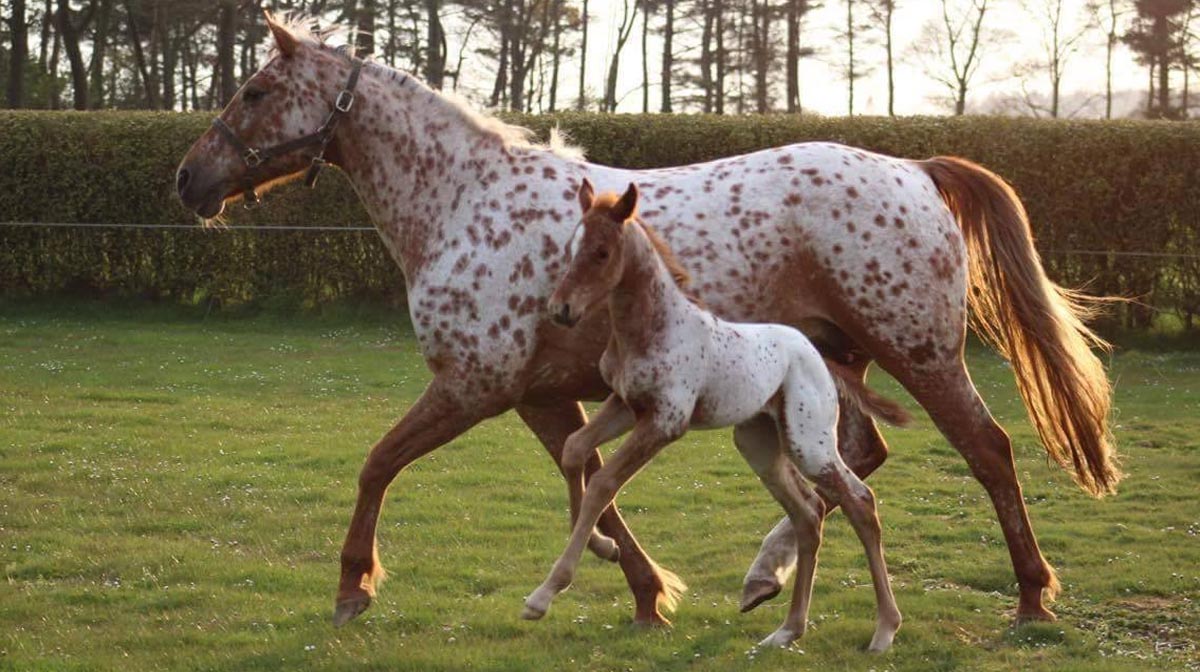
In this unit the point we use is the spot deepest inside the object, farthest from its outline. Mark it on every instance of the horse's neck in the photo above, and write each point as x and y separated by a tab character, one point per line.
404	148
646	299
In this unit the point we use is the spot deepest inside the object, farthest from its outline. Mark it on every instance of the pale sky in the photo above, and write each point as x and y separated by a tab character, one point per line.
823	88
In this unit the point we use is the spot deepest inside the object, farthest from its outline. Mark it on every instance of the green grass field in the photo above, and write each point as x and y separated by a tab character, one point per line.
174	490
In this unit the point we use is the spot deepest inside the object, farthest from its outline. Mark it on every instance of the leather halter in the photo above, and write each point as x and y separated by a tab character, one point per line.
254	157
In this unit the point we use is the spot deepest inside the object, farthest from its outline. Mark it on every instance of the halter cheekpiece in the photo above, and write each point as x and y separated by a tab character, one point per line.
254	157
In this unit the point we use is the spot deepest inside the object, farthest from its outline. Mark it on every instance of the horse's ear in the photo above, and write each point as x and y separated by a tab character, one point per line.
627	206
587	194
285	40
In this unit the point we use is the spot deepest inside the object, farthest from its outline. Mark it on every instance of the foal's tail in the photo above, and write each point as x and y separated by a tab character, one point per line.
853	388
1037	325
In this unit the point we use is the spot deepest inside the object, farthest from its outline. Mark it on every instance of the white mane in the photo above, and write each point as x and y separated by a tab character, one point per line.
309	31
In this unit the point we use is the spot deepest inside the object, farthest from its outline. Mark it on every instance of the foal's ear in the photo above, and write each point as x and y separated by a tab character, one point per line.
627	206
587	194
285	40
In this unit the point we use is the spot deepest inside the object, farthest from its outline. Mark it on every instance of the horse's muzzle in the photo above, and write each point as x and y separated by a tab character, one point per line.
564	317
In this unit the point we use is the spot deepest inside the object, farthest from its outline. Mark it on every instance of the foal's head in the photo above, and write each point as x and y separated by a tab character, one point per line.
291	96
597	252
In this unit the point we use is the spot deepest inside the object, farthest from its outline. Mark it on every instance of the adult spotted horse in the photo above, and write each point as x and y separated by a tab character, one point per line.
876	258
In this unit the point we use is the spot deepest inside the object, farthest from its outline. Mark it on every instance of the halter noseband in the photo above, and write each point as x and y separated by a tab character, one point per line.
254	157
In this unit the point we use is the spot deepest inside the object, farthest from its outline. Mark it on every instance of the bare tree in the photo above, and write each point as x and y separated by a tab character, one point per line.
624	30
882	12
1061	39
1108	16
952	47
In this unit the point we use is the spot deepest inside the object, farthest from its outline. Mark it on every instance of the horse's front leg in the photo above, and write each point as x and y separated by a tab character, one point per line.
437	418
643	444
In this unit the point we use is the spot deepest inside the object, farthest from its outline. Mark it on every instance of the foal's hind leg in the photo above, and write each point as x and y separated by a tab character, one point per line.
758	442
863	450
812	444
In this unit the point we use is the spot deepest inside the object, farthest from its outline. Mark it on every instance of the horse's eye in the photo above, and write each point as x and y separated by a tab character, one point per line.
253	95
602	254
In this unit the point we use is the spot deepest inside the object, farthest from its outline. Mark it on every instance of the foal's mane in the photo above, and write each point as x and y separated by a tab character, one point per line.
308	30
679	274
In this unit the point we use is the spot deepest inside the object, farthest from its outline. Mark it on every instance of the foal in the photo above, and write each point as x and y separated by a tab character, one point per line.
672	365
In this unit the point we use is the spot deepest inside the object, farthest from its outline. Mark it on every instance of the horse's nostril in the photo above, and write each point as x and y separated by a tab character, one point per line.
182	179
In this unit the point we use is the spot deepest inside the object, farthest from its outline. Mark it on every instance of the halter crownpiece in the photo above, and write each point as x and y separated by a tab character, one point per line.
254	157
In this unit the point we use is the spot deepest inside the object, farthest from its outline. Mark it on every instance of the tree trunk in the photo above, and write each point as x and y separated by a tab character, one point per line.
167	50
18	55
645	57
139	59
556	57
889	10
719	27
668	59
435	45
706	57
365	22
760	18
500	84
791	57
581	102
226	38
99	49
850	57
70	37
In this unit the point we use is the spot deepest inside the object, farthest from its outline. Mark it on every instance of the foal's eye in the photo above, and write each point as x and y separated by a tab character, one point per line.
253	95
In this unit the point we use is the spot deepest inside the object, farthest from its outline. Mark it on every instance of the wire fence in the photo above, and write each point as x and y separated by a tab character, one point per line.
189	227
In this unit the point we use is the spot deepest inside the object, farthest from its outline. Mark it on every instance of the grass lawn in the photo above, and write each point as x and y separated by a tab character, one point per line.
174	491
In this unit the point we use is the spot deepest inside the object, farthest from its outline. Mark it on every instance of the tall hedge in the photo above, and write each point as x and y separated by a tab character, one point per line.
1121	186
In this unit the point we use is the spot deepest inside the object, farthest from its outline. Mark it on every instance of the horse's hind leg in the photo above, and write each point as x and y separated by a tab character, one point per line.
758	442
863	450
956	408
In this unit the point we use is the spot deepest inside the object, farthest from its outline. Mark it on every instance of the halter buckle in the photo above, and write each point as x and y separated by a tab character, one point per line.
252	158
345	100
250	199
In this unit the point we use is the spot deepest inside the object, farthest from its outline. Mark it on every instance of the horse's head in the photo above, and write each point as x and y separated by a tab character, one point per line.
256	139
597	253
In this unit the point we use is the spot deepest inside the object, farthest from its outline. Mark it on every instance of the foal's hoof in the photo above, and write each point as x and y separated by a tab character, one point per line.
757	591
346	610
532	613
780	639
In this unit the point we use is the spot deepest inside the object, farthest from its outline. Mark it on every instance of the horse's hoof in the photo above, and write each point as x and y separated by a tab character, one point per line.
605	548
780	639
654	620
347	610
757	591
1040	615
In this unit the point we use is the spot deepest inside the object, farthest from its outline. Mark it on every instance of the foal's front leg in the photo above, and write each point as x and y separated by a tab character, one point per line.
643	444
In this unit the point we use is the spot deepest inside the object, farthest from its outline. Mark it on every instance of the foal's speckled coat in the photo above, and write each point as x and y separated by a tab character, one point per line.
860	250
673	366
